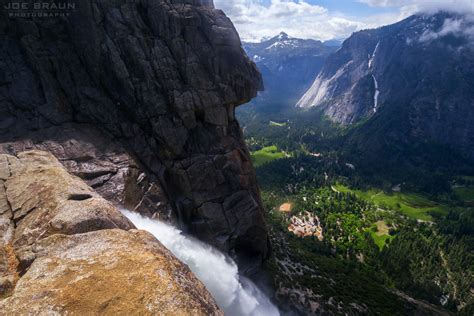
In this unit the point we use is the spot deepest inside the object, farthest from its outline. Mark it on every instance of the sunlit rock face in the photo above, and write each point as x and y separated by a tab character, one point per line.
137	98
67	250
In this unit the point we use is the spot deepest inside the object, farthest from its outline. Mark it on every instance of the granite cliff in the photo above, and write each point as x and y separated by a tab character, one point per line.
137	98
406	83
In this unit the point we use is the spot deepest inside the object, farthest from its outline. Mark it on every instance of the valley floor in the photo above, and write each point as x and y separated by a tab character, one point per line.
346	244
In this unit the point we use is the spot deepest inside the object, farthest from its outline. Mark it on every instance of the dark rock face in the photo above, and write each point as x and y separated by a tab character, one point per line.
411	81
138	99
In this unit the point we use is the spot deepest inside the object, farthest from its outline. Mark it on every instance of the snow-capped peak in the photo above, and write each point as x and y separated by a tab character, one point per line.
283	36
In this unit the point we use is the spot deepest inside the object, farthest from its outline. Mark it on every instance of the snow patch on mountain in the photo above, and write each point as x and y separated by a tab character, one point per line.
284	44
283	36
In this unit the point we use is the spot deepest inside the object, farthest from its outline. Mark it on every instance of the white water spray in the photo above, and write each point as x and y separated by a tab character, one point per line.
376	93
234	294
371	58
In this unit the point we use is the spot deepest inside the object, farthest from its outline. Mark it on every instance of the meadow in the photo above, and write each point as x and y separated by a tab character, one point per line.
413	205
266	155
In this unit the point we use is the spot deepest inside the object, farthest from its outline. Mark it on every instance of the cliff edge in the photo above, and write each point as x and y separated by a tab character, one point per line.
137	98
64	249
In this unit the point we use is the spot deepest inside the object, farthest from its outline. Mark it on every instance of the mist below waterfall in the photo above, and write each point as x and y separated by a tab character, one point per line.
235	295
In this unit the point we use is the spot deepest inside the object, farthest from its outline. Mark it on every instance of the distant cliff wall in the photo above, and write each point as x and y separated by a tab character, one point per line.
407	83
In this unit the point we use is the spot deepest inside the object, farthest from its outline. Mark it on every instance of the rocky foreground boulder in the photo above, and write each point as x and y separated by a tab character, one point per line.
65	249
138	99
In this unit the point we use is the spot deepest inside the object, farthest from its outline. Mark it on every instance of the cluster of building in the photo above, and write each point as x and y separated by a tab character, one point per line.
306	224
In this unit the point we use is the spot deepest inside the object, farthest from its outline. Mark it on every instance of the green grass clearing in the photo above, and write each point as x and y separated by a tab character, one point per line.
412	205
381	240
381	235
265	155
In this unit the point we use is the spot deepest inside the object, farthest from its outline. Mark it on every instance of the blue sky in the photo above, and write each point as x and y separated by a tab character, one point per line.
352	7
324	19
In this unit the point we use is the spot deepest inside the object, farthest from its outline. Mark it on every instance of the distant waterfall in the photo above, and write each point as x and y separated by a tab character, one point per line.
376	93
376	84
234	294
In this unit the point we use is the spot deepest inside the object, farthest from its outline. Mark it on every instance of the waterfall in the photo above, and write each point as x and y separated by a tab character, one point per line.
376	93
371	58
235	295
376	84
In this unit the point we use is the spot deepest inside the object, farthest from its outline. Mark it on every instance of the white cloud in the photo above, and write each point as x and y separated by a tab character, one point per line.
451	26
255	19
413	6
